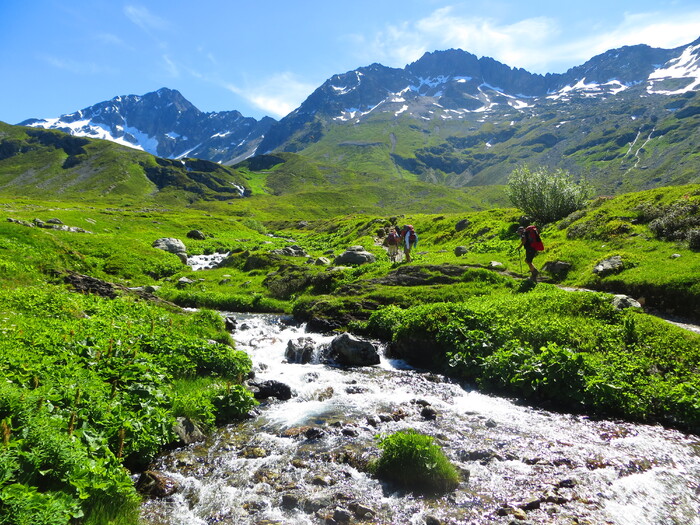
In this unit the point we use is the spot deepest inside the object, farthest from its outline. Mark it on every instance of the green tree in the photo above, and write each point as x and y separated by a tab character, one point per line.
544	195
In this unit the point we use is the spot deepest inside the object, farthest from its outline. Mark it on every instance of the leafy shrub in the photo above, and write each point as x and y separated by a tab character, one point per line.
553	373
545	196
414	462
675	221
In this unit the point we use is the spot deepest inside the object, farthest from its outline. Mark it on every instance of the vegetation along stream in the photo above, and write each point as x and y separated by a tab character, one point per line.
302	460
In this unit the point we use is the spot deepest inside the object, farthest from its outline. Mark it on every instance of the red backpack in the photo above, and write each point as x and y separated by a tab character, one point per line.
412	238
533	238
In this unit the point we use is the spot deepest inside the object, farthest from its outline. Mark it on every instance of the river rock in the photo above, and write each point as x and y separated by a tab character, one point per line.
341	515
183	282
300	351
270	388
187	431
354	255
347	350
361	511
609	266
230	323
172	245
429	413
156	484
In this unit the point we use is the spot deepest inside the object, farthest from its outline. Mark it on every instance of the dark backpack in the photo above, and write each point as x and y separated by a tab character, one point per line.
533	238
392	238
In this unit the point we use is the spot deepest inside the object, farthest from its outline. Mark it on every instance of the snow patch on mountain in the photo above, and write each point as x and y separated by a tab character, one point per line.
686	68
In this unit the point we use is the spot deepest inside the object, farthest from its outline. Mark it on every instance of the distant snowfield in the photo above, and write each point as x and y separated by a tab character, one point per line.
686	66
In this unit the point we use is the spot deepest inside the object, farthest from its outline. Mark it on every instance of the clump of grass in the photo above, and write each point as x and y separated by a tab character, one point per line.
415	462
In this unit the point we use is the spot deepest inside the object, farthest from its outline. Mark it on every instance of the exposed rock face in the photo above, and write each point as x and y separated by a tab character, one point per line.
461	225
171	123
354	255
172	245
347	350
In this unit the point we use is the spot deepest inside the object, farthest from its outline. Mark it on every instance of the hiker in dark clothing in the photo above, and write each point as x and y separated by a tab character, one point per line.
530	251
410	239
392	241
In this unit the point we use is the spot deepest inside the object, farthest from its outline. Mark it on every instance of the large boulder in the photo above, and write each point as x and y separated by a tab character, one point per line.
609	266
172	245
347	350
354	255
557	268
197	235
620	302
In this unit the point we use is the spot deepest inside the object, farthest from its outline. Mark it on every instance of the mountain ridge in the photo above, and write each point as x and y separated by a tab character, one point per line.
450	118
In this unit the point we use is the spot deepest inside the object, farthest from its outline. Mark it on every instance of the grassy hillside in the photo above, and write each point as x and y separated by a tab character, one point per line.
36	163
620	145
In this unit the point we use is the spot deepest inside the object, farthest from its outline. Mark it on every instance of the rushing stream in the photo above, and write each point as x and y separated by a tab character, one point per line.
300	461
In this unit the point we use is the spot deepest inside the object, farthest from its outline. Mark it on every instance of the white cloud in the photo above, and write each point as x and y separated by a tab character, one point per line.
277	95
143	18
78	68
170	66
535	43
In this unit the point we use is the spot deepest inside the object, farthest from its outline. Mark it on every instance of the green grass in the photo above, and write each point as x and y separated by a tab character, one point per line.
99	381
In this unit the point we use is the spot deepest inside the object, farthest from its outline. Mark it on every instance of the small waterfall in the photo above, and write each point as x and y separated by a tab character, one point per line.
301	461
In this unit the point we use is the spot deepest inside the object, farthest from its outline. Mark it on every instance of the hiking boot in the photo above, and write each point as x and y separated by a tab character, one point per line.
534	274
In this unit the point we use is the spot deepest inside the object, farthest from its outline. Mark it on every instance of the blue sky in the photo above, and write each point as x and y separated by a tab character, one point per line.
264	57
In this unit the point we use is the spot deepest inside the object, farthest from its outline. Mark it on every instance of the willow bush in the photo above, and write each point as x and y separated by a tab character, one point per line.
545	196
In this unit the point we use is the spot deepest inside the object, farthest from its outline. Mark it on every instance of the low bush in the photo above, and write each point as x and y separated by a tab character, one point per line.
414	462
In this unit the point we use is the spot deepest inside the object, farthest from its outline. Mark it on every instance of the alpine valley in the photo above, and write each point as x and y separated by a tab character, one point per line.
625	120
200	321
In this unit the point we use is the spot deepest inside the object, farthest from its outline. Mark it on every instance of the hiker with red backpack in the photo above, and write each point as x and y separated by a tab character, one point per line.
410	240
392	241
531	241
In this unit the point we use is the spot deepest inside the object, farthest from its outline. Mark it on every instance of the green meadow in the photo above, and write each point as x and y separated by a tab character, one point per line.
94	382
